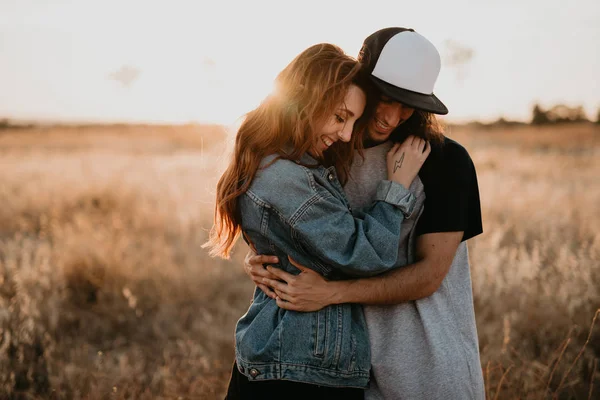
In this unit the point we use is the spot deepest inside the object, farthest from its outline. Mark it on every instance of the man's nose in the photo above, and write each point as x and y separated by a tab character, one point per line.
392	113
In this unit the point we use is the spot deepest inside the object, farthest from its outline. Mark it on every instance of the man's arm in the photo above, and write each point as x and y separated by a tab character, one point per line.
435	252
309	291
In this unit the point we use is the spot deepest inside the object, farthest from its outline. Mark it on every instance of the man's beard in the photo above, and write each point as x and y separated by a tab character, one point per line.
397	135
368	142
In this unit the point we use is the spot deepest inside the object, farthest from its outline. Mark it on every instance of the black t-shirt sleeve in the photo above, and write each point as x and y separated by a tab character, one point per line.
451	192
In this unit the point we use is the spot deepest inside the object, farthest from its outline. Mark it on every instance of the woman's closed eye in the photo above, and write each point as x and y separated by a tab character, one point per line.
339	119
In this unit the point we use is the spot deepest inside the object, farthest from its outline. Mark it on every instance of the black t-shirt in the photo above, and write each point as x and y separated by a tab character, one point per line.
451	192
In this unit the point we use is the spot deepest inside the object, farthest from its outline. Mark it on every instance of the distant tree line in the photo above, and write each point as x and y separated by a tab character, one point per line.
559	114
6	123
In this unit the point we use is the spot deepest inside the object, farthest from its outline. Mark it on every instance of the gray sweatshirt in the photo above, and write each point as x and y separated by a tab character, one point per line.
424	349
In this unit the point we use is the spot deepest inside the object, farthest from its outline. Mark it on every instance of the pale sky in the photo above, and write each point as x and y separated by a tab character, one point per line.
213	61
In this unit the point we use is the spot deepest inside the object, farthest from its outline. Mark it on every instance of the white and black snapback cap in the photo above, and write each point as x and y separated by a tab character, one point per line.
404	65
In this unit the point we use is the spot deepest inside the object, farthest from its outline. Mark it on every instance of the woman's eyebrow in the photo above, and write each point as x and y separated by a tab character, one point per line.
347	111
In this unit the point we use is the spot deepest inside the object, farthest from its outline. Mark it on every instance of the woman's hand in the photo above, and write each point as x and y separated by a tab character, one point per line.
254	267
405	160
307	291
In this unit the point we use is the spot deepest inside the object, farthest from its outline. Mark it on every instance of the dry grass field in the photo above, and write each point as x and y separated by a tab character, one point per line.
105	292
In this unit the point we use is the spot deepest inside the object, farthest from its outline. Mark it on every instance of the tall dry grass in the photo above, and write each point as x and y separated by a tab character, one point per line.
106	293
536	269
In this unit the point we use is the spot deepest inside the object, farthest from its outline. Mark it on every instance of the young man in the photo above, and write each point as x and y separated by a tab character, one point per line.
420	316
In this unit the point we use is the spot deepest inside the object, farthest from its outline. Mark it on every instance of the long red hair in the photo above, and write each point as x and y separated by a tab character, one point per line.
307	92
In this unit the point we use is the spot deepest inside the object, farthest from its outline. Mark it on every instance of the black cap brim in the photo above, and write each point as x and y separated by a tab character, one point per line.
419	101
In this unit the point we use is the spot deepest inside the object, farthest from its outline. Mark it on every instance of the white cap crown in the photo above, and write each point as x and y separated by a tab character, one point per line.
417	71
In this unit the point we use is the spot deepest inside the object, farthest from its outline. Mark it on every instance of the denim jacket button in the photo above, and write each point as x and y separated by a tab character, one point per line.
254	372
330	177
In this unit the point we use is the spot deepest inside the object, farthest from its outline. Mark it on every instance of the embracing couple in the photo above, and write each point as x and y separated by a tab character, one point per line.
357	209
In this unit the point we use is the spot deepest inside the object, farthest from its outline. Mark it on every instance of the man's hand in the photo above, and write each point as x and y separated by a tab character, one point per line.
307	291
404	160
254	267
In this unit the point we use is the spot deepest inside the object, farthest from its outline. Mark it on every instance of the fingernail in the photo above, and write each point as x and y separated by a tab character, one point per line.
269	267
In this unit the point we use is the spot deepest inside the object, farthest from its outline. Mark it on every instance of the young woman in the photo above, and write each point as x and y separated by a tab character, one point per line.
284	194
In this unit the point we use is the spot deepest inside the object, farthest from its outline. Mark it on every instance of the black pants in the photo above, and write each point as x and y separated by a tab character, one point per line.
241	388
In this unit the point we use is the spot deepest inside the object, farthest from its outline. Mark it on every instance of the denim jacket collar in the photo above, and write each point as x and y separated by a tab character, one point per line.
308	160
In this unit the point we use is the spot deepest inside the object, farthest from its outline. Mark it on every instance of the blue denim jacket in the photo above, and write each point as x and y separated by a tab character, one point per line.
294	210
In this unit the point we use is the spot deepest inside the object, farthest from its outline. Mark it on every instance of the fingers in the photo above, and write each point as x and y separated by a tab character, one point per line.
277	286
280	274
254	265
257	271
299	266
427	149
416	143
286	305
408	142
263	259
284	296
267	290
421	146
296	264
394	149
412	142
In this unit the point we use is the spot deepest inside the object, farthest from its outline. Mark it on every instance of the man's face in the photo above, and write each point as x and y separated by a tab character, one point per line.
388	115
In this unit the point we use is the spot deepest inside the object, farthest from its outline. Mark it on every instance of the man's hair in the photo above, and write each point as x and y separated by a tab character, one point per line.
422	124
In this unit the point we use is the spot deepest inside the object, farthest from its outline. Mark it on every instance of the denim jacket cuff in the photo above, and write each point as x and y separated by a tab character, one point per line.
397	195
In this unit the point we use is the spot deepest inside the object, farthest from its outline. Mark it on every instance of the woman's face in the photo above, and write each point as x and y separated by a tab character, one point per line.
340	125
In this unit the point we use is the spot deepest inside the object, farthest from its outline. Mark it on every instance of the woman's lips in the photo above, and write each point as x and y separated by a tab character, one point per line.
327	141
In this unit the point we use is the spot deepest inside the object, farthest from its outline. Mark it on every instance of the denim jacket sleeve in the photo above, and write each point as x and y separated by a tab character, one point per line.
361	244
